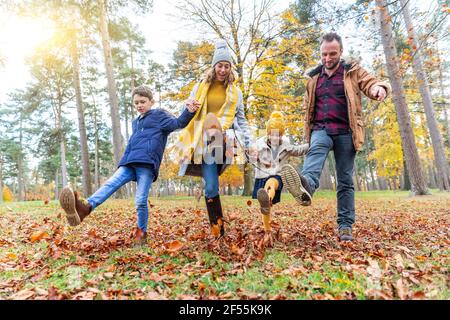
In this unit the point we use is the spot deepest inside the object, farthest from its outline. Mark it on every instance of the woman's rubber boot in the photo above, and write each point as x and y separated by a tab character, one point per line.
215	215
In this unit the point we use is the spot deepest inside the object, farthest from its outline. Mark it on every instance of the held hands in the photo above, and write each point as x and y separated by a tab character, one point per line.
378	92
192	105
252	154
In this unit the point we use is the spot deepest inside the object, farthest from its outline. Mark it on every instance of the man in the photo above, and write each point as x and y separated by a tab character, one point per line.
334	122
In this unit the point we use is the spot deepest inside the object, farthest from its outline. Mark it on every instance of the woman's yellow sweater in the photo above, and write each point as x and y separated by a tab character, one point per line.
216	97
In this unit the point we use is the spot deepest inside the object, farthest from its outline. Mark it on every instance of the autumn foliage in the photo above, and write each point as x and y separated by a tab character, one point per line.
7	195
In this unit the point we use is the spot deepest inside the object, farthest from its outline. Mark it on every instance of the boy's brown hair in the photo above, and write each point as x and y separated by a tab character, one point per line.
143	91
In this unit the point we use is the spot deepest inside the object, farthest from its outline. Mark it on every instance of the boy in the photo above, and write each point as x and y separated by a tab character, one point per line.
139	163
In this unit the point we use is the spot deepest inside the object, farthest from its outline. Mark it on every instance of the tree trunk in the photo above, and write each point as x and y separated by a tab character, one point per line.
443	100
418	184
406	181
325	177
380	183
128	186
20	165
436	137
248	178
1	179
431	178
96	157
63	162
357	181
372	176
56	186
366	180
85	171
62	146
112	88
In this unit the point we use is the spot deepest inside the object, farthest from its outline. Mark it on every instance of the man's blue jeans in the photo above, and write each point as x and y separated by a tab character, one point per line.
143	177
344	154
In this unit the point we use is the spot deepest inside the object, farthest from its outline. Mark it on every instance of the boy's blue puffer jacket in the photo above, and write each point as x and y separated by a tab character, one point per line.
148	140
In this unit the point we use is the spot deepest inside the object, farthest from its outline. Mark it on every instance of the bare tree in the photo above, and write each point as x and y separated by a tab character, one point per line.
248	30
443	101
436	137
112	88
413	165
86	175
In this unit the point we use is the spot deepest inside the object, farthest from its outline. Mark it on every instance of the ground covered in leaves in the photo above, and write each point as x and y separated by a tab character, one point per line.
401	251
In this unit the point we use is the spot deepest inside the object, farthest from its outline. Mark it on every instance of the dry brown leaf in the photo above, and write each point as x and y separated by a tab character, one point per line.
400	288
174	246
23	295
38	235
236	250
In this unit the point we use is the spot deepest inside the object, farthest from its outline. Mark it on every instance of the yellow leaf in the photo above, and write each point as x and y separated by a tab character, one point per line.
11	256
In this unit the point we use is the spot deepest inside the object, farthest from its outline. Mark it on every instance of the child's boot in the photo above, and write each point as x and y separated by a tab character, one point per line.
76	209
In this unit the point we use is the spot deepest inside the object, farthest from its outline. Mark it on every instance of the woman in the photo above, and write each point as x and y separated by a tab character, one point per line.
220	108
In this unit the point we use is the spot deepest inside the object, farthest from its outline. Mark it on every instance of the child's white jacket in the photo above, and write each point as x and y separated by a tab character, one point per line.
266	165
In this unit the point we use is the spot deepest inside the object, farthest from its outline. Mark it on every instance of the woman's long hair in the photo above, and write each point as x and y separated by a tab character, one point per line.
210	76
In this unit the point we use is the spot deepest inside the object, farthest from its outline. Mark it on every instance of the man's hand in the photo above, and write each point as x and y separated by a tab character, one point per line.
378	92
192	105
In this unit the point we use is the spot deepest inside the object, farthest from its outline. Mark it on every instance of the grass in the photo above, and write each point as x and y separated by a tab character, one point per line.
400	251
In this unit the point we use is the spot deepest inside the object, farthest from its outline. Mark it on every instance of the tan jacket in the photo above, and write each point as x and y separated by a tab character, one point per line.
356	79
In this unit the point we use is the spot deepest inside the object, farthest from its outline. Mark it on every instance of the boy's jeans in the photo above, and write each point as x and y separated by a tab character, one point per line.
143	177
344	154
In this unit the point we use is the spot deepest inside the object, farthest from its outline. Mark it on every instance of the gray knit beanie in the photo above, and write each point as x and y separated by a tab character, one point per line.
221	53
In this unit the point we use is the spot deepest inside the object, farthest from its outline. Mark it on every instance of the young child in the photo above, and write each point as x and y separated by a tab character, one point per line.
273	151
139	163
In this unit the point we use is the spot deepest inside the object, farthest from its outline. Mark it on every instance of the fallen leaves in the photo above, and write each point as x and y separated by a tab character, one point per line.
23	295
398	253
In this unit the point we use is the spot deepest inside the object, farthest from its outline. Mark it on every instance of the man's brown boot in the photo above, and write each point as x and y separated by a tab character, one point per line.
75	208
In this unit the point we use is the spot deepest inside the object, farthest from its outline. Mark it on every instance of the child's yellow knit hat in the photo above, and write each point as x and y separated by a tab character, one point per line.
276	121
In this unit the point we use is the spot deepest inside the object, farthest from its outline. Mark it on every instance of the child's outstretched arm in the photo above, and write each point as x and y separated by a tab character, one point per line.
299	150
171	123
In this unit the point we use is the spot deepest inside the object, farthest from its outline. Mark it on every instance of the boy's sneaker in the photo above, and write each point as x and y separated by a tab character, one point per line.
264	201
296	184
75	208
345	234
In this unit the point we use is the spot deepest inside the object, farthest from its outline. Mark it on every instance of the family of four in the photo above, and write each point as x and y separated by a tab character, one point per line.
333	121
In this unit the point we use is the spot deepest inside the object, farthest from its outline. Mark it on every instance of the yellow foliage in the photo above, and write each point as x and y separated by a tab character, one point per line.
7	195
388	153
232	176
